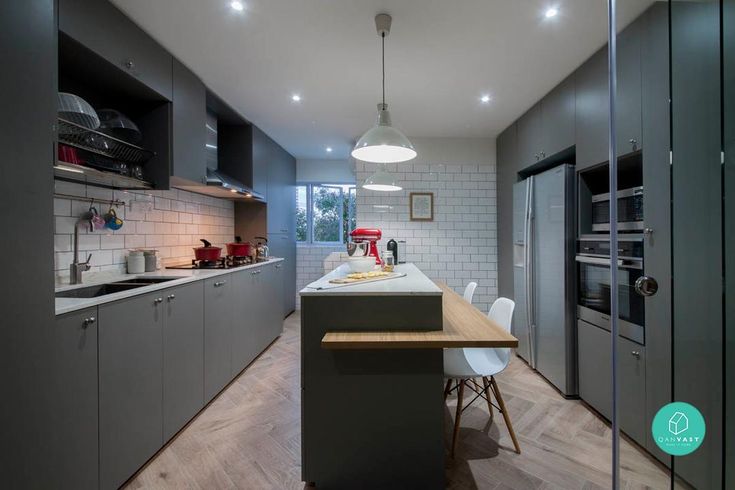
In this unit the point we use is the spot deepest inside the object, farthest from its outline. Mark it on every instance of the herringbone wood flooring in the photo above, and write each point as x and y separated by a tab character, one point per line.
249	437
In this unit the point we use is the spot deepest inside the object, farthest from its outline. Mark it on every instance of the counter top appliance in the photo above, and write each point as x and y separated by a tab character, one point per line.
630	210
371	236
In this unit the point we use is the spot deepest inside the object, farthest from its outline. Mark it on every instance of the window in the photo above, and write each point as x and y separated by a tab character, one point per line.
325	213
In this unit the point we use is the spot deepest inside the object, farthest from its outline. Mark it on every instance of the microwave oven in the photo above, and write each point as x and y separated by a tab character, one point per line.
630	210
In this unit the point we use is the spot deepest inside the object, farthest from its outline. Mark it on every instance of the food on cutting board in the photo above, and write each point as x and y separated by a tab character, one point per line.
366	275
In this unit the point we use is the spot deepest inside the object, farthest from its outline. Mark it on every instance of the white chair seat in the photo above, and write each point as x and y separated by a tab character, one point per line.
472	363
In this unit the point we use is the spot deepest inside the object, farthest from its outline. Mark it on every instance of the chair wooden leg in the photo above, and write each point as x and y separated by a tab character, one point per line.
447	389
458	416
486	384
506	417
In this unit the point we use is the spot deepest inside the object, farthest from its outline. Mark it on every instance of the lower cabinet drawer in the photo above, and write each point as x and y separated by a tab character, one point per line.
595	378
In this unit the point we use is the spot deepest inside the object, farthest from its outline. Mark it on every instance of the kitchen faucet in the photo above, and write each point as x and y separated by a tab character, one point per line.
76	268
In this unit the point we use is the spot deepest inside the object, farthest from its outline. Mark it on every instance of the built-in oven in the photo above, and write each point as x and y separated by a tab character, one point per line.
593	275
630	210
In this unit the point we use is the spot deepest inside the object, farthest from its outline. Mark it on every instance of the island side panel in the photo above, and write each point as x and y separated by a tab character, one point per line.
371	418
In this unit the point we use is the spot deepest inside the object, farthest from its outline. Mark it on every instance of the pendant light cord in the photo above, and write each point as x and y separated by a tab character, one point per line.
382	35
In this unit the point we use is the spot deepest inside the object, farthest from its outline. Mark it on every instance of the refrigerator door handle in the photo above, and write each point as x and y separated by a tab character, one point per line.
529	271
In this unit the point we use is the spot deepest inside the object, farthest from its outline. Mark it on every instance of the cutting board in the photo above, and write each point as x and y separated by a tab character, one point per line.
346	280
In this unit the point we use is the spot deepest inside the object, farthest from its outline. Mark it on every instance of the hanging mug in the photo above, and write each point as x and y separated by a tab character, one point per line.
97	221
112	221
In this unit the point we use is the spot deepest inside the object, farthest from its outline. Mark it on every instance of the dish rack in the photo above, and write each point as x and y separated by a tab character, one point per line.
102	144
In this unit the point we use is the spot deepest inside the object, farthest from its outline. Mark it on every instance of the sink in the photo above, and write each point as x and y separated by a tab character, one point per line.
98	290
146	280
112	287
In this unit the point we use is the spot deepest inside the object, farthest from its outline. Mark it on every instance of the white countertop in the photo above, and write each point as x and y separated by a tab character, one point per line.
414	283
183	276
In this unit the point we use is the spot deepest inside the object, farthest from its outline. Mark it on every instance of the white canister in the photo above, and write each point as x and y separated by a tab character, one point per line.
136	262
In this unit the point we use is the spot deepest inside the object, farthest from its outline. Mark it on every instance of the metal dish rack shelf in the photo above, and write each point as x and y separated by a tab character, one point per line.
73	134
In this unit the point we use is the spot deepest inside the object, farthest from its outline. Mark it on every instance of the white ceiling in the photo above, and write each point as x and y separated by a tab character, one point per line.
441	56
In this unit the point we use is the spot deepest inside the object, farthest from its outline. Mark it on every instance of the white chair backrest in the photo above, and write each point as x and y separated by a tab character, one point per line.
501	312
469	291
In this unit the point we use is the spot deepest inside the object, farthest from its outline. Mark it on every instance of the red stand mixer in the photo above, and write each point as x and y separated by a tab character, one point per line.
371	236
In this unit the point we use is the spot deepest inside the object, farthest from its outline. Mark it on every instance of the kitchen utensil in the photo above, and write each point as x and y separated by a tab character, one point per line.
97	221
136	262
360	264
150	260
359	249
207	253
370	236
136	171
112	221
239	248
261	250
119	126
77	110
68	154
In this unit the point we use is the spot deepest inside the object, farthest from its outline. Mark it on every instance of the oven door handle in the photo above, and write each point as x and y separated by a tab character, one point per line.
622	263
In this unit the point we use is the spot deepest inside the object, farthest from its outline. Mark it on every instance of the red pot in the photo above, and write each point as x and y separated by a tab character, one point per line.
238	248
207	253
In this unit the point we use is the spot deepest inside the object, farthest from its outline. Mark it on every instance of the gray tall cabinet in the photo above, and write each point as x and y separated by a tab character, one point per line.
642	124
31	356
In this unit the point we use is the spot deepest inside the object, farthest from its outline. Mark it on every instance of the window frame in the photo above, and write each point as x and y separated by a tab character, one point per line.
351	211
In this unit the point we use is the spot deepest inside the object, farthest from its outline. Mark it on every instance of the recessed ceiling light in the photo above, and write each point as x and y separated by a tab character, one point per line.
296	98
329	149
485	99
551	12
237	5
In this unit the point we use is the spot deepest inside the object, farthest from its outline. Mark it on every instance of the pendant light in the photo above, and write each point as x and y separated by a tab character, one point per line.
383	143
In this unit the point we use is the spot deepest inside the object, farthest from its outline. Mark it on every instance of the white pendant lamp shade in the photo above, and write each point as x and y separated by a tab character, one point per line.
381	180
383	143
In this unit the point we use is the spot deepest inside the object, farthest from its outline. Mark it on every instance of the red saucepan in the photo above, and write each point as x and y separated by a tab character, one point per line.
238	248
207	253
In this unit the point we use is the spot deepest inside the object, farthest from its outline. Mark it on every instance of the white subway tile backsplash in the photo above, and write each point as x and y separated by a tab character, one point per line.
166	220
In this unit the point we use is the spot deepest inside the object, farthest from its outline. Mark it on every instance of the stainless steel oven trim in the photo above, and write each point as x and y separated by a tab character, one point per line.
633	191
622	226
628	237
630	331
623	263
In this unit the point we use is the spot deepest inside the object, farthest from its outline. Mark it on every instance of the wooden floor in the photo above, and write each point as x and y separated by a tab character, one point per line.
249	437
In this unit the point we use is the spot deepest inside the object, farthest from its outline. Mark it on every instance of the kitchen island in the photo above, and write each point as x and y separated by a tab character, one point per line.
372	378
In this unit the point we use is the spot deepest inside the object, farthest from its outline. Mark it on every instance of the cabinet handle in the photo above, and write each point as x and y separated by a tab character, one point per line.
88	321
536	155
284	230
171	297
219	283
129	64
278	266
256	272
543	154
636	354
157	301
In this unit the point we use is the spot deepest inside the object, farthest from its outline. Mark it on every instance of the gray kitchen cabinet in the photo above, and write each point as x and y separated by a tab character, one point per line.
189	115
281	245
591	121
530	136
273	276
557	117
507	165
218	319
130	385
249	307
183	355
281	191
75	435
657	212
101	27
264	155
595	378
628	100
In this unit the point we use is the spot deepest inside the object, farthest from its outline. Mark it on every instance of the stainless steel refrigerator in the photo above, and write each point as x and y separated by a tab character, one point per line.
544	275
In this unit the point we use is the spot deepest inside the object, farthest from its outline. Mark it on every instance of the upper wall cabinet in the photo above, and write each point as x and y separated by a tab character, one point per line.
189	120
548	127
628	102
592	111
557	116
280	168
265	151
101	27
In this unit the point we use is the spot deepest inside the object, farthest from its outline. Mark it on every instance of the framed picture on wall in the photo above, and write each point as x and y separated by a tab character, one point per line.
421	205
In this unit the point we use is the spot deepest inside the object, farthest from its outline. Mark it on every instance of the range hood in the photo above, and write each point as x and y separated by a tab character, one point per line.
223	182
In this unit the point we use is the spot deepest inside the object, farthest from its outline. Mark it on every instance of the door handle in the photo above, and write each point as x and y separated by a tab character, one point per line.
646	286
